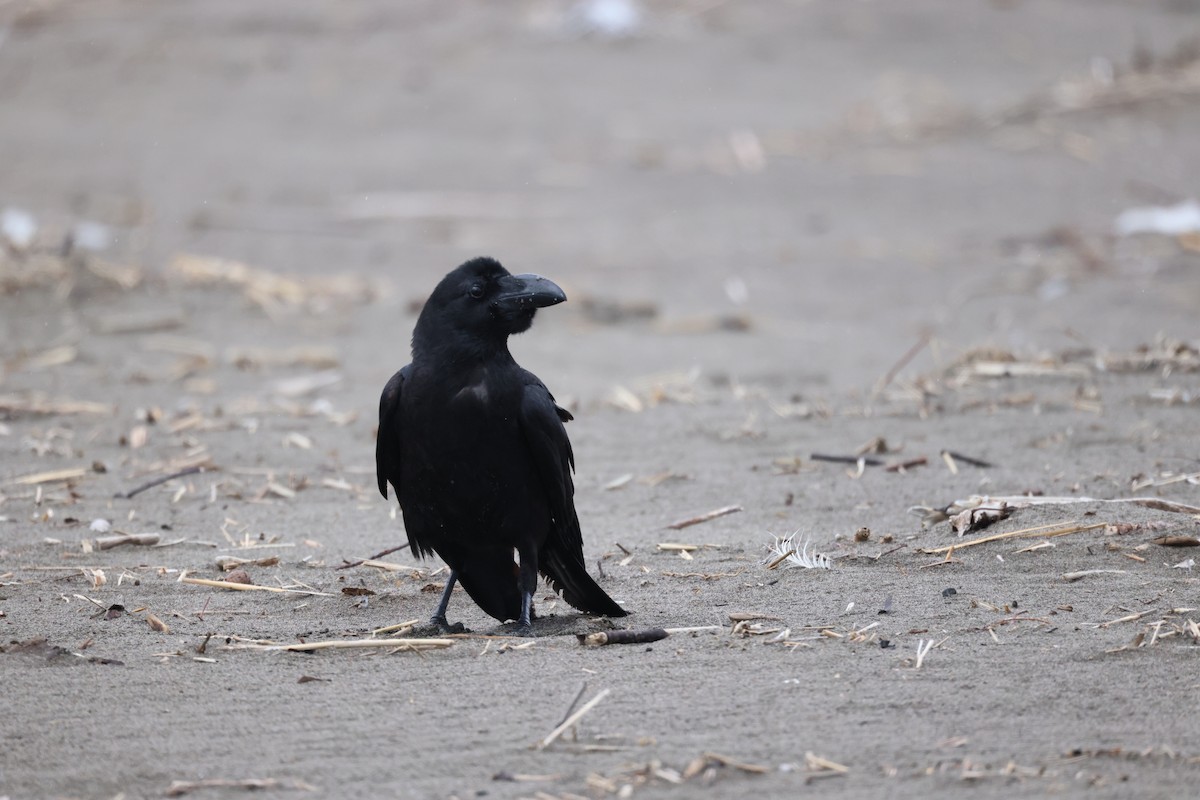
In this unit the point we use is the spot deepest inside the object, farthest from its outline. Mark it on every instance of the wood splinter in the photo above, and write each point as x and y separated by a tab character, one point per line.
109	542
1071	577
622	637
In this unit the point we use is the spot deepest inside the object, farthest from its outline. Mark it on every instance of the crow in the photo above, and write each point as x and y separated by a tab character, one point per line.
476	450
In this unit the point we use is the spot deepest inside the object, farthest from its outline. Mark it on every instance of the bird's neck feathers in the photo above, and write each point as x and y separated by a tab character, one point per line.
447	349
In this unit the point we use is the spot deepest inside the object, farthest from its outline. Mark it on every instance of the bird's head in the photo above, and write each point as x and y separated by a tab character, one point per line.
481	303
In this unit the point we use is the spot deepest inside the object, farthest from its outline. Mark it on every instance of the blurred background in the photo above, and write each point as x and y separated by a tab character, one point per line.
784	188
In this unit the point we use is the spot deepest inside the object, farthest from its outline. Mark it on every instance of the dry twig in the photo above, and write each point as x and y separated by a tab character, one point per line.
705	517
818	767
249	587
571	720
923	648
52	476
859	460
974	462
179	788
414	645
622	637
1048	531
157	481
375	557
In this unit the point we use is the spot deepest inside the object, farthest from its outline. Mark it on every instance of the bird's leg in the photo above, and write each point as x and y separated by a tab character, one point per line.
527	583
438	620
524	624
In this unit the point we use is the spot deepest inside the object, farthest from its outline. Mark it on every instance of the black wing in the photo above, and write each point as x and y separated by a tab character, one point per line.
387	440
561	558
542	424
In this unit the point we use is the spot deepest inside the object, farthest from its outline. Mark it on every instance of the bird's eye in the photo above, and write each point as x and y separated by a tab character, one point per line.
476	290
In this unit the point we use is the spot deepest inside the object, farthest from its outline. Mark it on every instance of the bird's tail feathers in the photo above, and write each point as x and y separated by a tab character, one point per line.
489	577
569	577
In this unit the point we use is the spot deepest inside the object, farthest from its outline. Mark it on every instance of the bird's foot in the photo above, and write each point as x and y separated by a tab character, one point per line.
520	629
439	626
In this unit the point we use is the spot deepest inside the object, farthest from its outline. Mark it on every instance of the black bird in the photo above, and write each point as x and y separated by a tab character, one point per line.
476	451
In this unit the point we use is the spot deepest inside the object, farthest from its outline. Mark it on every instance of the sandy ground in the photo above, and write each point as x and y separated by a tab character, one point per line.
786	229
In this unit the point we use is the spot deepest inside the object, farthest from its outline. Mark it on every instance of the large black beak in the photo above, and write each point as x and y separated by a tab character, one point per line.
528	292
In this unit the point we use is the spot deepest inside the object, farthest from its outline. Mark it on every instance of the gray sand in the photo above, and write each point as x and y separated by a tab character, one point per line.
794	195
